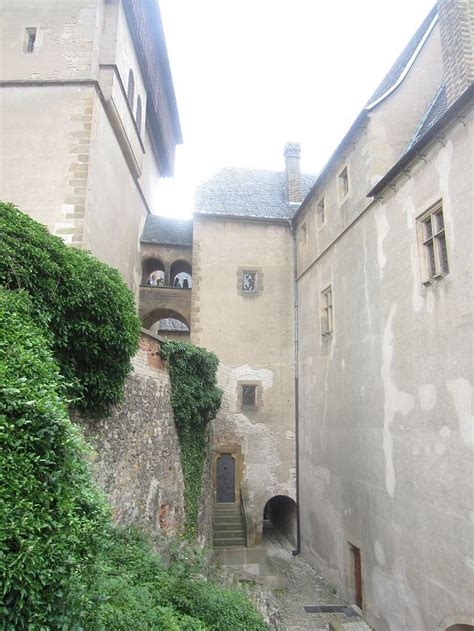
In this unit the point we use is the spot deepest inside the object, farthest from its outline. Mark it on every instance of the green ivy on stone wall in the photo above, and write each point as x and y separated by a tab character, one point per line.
195	399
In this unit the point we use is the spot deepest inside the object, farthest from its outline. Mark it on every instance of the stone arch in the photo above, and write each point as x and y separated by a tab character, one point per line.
150	265
458	623
182	270
279	519
161	313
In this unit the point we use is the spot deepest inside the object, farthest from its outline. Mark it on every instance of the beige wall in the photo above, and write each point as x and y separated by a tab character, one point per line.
71	155
254	340
372	151
386	436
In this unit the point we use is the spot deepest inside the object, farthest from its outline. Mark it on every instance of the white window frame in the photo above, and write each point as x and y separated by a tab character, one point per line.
432	244
327	311
341	179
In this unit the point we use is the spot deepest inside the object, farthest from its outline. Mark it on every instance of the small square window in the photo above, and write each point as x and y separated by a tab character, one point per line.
326	312
433	244
343	184
249	396
321	212
249	282
29	41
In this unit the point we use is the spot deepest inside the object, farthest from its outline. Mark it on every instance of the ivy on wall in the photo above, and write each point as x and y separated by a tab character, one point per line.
195	399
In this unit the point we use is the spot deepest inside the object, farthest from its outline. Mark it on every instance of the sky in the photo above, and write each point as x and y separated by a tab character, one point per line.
252	75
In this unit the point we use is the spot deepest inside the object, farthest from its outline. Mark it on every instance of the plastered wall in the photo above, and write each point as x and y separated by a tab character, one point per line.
386	432
253	337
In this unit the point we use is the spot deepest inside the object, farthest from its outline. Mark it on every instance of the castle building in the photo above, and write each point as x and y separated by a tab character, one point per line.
88	120
367	431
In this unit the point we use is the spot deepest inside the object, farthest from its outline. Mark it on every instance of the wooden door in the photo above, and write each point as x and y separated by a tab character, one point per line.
225	478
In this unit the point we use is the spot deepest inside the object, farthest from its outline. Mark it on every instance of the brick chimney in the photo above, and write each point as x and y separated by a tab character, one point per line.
292	172
456	24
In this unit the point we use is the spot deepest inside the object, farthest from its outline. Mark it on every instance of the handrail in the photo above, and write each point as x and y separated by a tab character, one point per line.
247	515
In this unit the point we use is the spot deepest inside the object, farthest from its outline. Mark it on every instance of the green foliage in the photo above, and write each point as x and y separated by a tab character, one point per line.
51	515
195	399
85	304
139	592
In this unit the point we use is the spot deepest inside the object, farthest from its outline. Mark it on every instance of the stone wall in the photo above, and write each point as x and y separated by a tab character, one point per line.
137	454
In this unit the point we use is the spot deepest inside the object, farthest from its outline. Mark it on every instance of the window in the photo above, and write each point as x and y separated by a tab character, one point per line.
30	40
343	184
249	396
303	233
433	243
249	282
138	116
326	312
320	212
131	88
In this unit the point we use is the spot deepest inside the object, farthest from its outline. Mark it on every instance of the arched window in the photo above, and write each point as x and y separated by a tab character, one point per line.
138	116
131	88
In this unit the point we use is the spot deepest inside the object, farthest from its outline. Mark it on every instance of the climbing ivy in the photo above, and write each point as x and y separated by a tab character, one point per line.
195	399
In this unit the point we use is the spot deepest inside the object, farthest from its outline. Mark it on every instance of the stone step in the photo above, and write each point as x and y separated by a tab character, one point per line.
229	531
226	510
230	542
226	519
230	526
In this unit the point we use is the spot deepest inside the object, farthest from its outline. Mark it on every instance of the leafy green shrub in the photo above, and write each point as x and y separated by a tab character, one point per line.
195	399
52	517
86	305
139	591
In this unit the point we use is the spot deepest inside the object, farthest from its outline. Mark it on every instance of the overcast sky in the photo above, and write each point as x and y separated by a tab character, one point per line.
251	75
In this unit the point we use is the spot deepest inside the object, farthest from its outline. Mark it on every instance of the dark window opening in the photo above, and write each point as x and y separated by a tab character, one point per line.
181	275
153	273
30	40
357	567
249	395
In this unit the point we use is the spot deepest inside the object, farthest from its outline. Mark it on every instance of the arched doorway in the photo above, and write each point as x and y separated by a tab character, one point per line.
181	274
225	478
279	520
153	272
153	317
460	627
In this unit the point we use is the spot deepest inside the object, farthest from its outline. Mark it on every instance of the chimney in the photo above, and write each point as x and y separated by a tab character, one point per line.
456	24
292	172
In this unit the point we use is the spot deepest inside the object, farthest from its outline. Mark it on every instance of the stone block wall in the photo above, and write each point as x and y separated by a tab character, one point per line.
137	455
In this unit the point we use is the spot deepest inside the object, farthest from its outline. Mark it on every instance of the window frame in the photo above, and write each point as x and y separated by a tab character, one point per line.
327	312
30	40
321	210
250	269
343	184
432	244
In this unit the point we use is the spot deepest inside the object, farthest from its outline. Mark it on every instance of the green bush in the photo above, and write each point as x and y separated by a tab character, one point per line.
87	307
51	515
139	592
195	399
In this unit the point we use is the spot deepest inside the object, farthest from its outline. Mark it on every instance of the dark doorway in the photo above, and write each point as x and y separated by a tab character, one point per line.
357	575
225	479
461	627
279	520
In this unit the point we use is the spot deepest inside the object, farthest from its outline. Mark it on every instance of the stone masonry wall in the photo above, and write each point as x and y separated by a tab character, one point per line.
137	454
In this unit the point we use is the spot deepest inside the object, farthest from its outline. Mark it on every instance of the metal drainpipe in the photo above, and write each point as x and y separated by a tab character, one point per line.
297	450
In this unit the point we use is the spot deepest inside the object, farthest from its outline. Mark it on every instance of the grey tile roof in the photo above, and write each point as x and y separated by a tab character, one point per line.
248	193
167	231
171	324
399	66
437	108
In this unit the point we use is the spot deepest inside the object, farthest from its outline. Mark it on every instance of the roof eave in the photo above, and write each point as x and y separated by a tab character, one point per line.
241	217
461	102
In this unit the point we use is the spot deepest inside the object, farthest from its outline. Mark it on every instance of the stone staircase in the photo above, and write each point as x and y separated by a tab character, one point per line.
228	526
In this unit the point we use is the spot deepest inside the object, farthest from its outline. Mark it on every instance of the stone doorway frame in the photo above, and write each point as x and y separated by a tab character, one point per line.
235	451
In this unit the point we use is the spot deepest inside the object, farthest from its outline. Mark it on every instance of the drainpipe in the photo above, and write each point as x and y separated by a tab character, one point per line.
297	449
